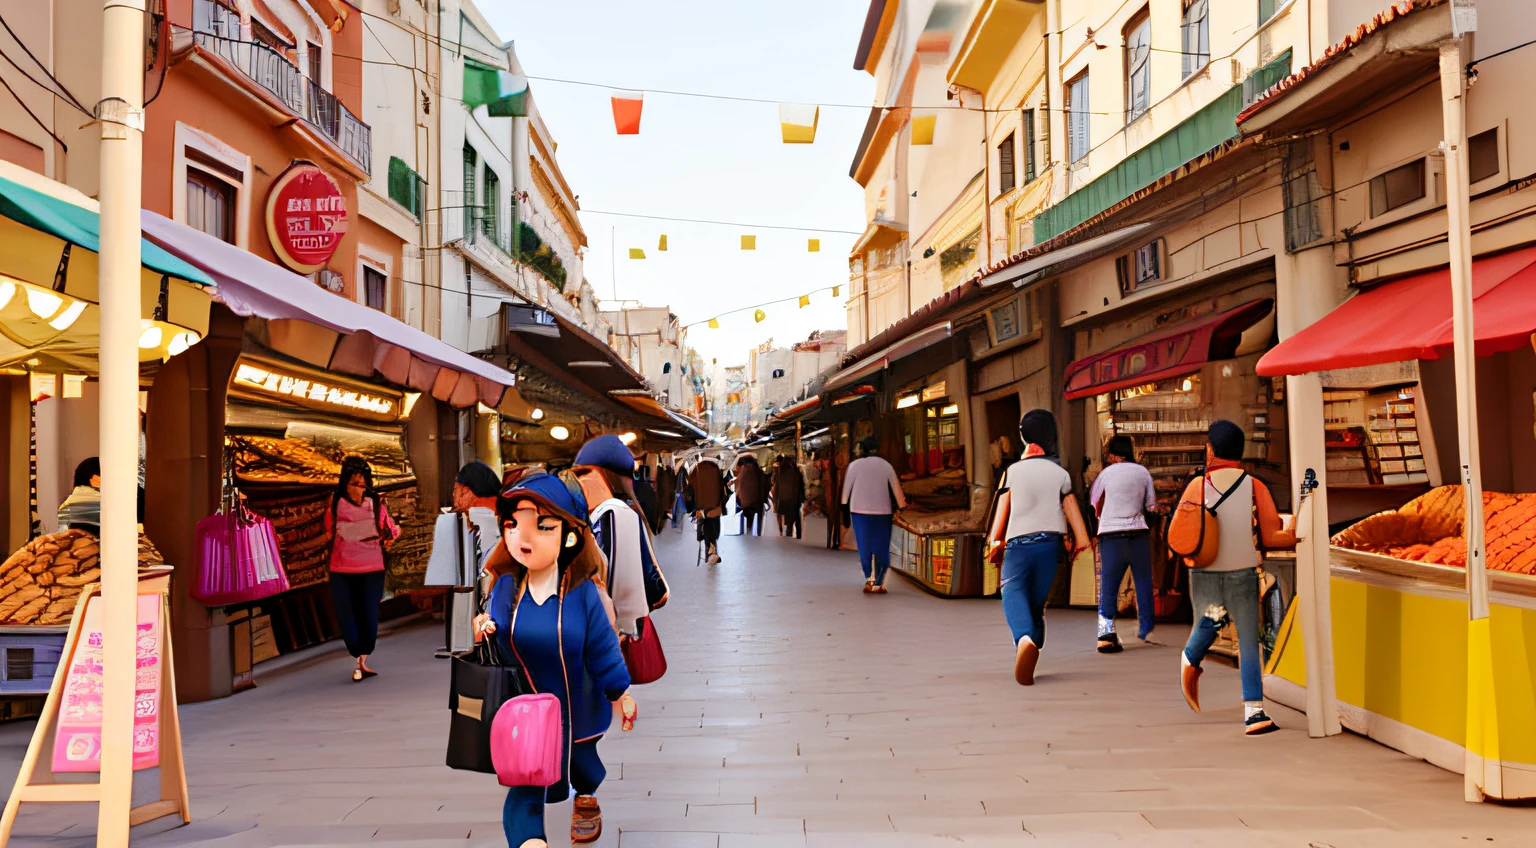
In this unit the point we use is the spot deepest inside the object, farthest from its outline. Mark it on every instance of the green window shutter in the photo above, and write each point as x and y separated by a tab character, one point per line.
404	185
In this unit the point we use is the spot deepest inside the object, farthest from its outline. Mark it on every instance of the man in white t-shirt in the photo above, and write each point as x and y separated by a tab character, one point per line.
871	496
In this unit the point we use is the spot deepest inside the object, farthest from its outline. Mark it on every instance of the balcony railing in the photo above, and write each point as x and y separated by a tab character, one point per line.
216	28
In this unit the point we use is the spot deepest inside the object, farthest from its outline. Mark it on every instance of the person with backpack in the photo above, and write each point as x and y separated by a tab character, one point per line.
1035	510
1226	509
360	530
706	494
872	496
751	493
1122	495
787	489
546	611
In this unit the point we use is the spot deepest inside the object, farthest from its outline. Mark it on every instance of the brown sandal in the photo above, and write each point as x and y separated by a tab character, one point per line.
586	820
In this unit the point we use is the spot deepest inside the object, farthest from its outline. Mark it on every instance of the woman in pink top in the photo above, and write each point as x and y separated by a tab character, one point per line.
360	530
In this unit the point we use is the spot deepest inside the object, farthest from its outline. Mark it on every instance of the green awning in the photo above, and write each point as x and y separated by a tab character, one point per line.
1196	136
504	94
82	228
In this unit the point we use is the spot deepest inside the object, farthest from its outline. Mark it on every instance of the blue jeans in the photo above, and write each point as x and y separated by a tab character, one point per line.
1219	597
1029	569
522	816
1117	552
873	533
678	510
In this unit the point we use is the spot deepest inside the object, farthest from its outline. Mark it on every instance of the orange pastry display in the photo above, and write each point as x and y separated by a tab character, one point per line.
1429	529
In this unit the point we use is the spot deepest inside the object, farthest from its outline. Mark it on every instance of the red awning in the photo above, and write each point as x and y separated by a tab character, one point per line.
1411	319
1169	352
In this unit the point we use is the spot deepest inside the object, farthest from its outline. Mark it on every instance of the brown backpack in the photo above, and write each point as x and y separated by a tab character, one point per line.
1194	535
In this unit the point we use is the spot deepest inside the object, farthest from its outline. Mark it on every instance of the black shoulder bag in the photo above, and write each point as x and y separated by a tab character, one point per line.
481	681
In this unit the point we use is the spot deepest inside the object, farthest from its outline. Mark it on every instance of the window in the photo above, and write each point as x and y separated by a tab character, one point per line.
263	35
19	663
210	205
1483	155
470	169
1267	9
1077	117
1141	268
1005	180
1029	146
375	289
1303	193
1138	65
314	63
1197	36
404	185
1397	188
491	197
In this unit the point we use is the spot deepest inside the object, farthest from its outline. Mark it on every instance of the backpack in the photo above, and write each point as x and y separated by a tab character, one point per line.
1194	535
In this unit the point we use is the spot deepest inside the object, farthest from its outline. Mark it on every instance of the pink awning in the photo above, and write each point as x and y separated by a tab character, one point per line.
351	338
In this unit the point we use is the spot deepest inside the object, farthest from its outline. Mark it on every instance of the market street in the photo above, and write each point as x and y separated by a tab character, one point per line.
800	712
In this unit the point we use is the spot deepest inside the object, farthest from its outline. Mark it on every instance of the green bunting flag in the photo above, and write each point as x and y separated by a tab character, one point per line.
504	94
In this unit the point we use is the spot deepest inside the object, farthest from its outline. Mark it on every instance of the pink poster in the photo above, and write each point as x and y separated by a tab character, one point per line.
77	743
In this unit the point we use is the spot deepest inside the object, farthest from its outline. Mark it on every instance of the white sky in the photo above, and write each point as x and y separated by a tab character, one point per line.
705	159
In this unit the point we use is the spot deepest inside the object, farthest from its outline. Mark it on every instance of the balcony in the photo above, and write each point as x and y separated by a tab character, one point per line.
216	29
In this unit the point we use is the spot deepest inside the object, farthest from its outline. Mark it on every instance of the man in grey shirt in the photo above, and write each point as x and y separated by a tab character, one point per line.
1122	495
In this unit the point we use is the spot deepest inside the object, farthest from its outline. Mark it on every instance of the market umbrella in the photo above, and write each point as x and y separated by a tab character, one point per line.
49	303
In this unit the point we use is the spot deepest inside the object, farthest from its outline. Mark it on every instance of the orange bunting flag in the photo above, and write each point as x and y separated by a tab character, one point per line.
813	245
758	315
805	300
837	290
714	323
922	129
749	242
797	122
626	111
662	244
636	253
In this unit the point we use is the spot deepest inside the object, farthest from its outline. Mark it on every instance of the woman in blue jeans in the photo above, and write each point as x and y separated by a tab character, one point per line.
1034	510
871	495
1123	495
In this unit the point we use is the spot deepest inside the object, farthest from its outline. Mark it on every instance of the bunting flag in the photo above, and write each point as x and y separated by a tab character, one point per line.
626	111
505	95
922	129
758	315
836	290
636	253
805	300
813	245
749	242
662	243
797	122
714	323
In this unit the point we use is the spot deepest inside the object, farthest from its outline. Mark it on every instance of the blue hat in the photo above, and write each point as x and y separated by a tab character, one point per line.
607	452
550	492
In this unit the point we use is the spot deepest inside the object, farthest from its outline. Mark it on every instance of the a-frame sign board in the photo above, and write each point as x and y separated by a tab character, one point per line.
37	783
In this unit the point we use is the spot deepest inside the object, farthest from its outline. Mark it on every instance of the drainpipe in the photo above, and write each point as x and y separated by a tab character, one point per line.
1055	117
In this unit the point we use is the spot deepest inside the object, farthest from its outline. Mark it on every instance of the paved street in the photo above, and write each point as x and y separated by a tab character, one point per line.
800	712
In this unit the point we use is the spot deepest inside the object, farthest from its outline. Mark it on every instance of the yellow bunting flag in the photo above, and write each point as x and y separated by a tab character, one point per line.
797	122
813	245
758	315
636	253
922	129
714	323
749	242
662	243
836	290
805	300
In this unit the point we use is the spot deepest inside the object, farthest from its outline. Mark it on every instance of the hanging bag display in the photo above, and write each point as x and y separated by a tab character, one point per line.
480	684
238	559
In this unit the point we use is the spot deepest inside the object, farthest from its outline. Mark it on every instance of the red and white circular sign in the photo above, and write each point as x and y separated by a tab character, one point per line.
306	217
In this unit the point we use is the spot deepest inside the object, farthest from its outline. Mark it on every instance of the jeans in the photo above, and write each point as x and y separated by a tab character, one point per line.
709	531
1118	551
791	524
1029	569
522	816
1219	597
873	534
357	598
678	510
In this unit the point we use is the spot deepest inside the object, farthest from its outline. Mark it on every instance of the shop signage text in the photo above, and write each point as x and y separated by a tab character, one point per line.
306	218
312	392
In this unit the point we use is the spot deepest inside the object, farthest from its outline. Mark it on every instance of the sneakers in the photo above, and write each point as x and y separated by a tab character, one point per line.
1024	662
1189	681
714	556
1109	643
586	821
1259	724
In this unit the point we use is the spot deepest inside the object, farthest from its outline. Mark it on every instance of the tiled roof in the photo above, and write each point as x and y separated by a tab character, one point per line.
1337	51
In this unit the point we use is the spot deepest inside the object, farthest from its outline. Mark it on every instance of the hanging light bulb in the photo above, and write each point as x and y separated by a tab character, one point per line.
627	438
150	338
559	433
179	344
68	316
537	414
7	291
43	303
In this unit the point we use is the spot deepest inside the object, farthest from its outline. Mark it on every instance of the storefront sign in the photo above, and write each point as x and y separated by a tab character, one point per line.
306	218
273	383
77	743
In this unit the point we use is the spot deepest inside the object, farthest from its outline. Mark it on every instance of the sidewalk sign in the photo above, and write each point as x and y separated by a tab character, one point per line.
68	733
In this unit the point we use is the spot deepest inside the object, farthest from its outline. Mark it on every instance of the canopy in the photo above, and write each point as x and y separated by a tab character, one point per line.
1411	319
50	235
880	361
1042	258
1174	350
329	331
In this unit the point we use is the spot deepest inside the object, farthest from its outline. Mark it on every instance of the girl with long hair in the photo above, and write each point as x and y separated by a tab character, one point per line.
546	610
360	530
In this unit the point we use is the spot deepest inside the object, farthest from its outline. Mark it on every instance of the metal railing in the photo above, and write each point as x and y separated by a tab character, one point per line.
216	28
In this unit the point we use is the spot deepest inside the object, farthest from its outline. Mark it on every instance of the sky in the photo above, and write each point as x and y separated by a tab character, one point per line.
716	160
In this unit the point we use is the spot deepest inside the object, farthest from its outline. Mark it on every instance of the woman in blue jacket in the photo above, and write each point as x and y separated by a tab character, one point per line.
546	610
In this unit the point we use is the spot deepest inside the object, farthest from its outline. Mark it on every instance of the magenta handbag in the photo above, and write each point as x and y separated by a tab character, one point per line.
239	560
526	738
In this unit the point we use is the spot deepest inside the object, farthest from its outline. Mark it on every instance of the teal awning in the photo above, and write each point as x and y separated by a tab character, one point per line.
1196	136
504	94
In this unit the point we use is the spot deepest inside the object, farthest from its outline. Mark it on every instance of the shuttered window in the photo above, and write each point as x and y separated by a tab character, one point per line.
1029	146
1005	174
492	199
1077	117
1138	65
470	163
1197	35
404	185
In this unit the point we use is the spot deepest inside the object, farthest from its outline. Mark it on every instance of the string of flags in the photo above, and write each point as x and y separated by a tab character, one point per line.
748	242
759	315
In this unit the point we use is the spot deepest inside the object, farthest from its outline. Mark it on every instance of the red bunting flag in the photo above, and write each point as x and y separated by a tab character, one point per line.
626	111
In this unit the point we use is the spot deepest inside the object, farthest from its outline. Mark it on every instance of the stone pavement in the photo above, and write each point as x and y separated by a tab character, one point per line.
800	712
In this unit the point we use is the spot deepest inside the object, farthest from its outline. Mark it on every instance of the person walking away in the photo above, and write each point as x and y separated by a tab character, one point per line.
871	496
645	493
1122	494
680	508
707	496
788	492
666	496
462	539
546	610
1034	512
751	494
360	530
1227	590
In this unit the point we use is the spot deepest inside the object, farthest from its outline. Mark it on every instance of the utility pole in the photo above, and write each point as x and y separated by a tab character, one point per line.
121	113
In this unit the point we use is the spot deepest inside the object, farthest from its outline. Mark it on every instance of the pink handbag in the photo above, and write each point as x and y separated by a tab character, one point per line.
526	737
239	560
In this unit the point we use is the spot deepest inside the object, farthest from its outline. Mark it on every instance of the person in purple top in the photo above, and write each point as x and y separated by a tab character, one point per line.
1122	495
